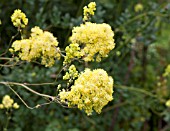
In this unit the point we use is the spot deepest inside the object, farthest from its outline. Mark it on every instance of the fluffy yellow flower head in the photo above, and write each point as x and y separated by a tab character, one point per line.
91	91
138	7
89	11
41	44
7	101
19	19
95	39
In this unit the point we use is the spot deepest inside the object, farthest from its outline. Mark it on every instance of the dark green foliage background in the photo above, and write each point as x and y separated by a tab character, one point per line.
136	64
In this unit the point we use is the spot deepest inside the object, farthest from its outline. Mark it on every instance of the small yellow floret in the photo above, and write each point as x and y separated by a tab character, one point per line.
71	74
168	103
19	19
91	91
1	106
167	71
96	40
138	7
72	51
15	106
89	11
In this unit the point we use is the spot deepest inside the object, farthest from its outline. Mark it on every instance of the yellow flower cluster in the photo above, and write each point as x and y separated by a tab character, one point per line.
96	40
71	74
167	103
8	102
91	91
138	7
72	51
19	19
41	44
89	11
167	71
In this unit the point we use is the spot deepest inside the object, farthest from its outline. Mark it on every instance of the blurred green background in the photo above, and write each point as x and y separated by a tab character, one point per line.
136	64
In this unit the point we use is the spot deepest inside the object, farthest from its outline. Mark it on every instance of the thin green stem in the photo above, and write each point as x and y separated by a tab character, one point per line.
9	44
139	90
134	19
7	121
115	106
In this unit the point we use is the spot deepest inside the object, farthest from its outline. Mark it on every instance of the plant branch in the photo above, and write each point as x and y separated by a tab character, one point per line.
27	88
